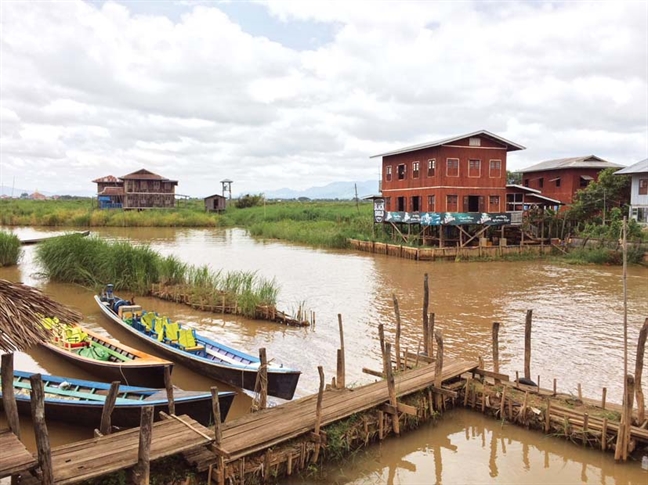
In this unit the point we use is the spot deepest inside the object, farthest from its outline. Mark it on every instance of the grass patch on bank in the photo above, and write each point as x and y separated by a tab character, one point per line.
10	250
603	256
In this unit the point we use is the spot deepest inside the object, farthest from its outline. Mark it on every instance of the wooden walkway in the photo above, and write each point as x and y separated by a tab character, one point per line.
14	458
264	429
82	460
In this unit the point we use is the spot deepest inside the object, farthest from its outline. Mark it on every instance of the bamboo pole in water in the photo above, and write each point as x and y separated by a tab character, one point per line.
438	369
426	302
641	346
496	327
381	335
527	344
398	331
341	368
218	433
391	386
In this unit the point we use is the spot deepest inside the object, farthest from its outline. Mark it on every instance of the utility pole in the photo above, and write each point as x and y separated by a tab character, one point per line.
604	207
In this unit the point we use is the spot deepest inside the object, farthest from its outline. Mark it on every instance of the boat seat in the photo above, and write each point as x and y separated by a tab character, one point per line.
74	335
171	332
187	340
158	328
229	360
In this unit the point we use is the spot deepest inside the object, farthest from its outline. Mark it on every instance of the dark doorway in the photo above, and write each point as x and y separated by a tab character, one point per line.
416	204
400	201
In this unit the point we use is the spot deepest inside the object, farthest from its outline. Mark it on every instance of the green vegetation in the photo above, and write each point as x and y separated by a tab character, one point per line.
9	249
93	262
603	256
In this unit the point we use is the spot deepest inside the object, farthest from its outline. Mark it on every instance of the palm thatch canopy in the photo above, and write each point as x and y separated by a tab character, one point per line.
21	308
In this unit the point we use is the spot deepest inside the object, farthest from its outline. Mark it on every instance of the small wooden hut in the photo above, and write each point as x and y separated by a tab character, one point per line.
215	203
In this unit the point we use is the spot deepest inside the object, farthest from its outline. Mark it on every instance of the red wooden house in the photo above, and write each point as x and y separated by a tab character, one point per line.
464	174
137	190
560	179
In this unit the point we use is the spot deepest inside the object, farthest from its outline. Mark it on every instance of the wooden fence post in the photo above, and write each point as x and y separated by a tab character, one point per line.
8	397
263	378
398	331
438	370
641	347
391	387
141	472
527	344
341	368
169	388
40	429
496	327
431	335
381	335
426	303
218	433
109	404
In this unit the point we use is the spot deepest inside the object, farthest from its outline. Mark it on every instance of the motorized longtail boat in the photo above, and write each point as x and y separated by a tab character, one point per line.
183	345
106	358
81	402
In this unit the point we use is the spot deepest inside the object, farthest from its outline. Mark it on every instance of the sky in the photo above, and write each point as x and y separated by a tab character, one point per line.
275	94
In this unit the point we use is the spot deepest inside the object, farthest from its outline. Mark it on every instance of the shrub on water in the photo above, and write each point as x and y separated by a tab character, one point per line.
10	250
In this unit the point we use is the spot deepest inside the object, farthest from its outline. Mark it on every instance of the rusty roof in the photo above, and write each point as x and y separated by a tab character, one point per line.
106	179
144	174
587	161
112	191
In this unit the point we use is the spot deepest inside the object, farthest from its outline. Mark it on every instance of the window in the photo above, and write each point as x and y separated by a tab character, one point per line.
514	202
452	167
493	203
558	182
495	169
526	182
415	170
401	172
400	201
541	182
415	203
643	186
585	180
388	173
474	142
431	200
474	168
451	203
431	167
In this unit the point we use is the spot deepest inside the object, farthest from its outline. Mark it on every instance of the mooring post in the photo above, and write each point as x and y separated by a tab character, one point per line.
40	428
547	426
381	335
426	302
496	327
8	397
431	335
641	346
438	370
109	404
391	387
341	366
527	344
555	387
603	398
398	331
218	433
169	388
318	414
621	451
142	471
263	378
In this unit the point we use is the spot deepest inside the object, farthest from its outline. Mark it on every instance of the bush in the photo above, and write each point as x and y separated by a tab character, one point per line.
250	201
10	250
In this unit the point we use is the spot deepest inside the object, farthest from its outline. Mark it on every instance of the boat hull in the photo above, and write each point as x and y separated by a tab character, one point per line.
282	382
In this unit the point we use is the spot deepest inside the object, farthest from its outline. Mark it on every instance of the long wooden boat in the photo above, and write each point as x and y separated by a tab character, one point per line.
81	402
183	345
106	358
36	240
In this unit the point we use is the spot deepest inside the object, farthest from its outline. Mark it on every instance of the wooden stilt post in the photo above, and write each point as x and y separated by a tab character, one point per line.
398	331
527	344
8	397
318	413
341	379
547	426
438	370
555	385
40	428
604	434
641	346
621	451
391	385
431	335
496	327
263	377
142	471
426	302
603	398
169	388
503	403
218	433
109	404
381	335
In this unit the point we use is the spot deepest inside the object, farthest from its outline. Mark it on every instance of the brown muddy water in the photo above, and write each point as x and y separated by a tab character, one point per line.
577	338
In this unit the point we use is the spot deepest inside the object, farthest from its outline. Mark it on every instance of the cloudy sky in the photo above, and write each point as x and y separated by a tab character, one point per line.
297	94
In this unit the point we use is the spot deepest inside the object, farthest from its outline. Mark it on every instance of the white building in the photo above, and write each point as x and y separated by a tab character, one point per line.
638	191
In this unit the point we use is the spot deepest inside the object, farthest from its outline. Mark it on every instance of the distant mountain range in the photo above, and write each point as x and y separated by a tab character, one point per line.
334	190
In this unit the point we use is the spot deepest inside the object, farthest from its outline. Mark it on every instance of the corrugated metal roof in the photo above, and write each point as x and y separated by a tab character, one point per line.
588	161
510	145
639	167
106	179
112	191
144	174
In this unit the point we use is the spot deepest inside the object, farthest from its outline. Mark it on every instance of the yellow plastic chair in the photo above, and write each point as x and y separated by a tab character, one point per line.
171	332
187	340
158	328
147	320
75	335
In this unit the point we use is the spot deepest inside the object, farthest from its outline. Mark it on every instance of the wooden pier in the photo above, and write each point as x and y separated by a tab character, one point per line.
15	458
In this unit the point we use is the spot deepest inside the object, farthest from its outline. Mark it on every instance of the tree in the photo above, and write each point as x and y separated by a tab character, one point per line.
513	177
593	203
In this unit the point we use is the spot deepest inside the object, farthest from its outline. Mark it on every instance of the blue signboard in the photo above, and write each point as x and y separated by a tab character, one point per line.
449	218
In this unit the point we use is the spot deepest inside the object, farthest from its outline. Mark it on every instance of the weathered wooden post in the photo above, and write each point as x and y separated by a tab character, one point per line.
527	344
40	428
141	472
438	371
431	335
641	346
426	302
341	366
263	378
218	433
496	327
391	387
318	414
8	397
109	404
169	388
381	335
623	436
398	331
603	398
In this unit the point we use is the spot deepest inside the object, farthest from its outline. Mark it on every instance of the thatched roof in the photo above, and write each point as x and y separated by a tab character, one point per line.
21	308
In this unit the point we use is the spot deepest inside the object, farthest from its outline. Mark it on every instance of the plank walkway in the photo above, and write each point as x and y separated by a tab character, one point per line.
82	460
261	430
14	458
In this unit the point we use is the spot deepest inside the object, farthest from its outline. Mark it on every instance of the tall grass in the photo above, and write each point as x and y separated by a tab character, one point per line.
93	262
603	256
10	250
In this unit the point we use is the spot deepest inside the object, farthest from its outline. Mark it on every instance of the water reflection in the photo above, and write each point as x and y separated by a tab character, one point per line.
466	447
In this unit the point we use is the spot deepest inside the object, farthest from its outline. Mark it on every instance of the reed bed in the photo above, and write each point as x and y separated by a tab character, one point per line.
93	262
10	250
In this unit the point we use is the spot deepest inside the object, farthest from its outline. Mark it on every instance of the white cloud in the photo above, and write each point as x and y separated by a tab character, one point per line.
95	89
